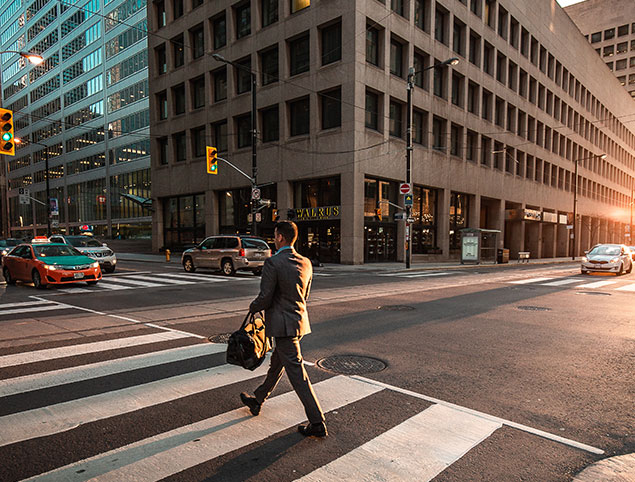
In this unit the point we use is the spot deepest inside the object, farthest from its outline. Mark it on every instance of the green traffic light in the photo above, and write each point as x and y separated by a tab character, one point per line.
6	136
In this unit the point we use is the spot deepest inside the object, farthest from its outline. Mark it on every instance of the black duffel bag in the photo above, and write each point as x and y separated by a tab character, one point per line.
248	346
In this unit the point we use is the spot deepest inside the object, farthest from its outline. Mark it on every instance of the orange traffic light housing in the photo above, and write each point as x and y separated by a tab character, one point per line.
378	214
212	160
7	137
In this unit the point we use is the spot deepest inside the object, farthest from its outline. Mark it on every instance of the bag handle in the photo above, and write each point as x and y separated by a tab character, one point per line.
250	318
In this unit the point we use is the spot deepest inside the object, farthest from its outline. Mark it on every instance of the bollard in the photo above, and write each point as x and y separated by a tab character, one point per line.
167	255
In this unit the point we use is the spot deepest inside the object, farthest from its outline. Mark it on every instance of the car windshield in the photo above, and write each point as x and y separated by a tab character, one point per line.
605	251
254	243
4	243
83	242
55	250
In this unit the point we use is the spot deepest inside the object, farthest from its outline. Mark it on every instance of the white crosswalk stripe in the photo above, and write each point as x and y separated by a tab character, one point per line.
30	307
415	274
162	279
415	448
628	287
615	284
562	282
530	280
596	284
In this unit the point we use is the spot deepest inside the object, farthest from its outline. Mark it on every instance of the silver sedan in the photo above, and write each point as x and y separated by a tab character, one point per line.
608	258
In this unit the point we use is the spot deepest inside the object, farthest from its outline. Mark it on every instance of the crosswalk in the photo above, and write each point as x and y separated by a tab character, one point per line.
425	274
615	284
192	396
32	307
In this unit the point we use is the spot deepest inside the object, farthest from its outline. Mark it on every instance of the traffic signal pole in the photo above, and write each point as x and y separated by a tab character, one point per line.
411	74
254	159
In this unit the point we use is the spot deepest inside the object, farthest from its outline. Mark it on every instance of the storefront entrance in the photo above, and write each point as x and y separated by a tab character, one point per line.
380	243
319	241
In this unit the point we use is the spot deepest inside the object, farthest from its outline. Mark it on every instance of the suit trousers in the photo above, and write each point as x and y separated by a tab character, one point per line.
287	356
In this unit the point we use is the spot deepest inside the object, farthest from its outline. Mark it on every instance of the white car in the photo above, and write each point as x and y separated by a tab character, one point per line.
608	258
90	247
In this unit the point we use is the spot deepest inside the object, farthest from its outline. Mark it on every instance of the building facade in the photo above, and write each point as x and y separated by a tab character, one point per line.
609	25
497	137
85	108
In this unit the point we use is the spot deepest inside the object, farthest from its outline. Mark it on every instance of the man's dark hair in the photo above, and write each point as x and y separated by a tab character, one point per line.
289	231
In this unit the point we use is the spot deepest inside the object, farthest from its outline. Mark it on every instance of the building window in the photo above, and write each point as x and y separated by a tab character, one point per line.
622	47
440	82
270	124
396	119
397	6
331	43
220	84
438	134
179	146
609	34
269	65
458	38
488	58
297	5
198	92
372	110
456	140
196	3
419	127
299	55
178	8
372	46
596	37
457	89
162	60
163	150
197	39
420	64
441	16
177	51
219	131
269	12
243	129
471	145
472	97
162	102
219	26
458	218
475	49
243	20
299	117
396	58
608	51
421	14
198	141
475	7
331	105
159	8
243	75
620	64
178	97
486	109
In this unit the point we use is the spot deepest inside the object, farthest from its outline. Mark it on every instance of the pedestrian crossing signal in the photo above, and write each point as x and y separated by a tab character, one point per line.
378	214
212	160
7	141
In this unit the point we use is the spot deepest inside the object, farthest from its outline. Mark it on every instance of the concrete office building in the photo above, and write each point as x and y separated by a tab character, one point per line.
85	107
609	25
497	137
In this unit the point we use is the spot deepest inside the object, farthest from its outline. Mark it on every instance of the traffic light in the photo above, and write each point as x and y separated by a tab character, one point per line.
274	215
378	214
212	160
7	141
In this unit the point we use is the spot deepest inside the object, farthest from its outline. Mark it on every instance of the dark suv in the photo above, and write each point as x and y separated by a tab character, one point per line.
228	253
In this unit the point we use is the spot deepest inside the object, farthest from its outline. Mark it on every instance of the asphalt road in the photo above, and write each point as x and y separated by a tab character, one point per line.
491	373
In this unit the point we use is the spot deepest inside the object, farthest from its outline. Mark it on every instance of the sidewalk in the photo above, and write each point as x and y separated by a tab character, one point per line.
612	469
370	267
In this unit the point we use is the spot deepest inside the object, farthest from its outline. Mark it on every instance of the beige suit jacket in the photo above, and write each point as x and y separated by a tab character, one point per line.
284	289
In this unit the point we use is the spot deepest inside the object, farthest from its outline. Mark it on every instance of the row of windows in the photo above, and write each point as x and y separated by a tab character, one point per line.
136	183
18	44
125	39
609	33
19	104
620	48
16	25
55	172
9	11
79	17
38	71
11	70
86	164
42	23
123	11
35	7
88	88
130	152
49	152
50	130
126	68
88	63
128	95
46	43
47	109
621	64
19	163
15	87
85	139
46	88
88	113
84	39
130	123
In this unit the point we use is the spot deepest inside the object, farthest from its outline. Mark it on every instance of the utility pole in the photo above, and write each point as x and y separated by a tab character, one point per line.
575	205
48	192
411	75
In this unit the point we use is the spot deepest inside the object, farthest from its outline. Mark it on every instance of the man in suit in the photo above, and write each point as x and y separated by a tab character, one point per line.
284	289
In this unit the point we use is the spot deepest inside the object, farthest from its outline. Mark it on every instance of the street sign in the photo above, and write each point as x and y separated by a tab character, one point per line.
55	210
569	226
407	200
258	217
249	218
400	216
255	194
55	223
24	199
404	188
411	220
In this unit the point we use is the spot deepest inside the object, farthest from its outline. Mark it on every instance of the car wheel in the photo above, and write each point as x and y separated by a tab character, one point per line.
228	267
91	283
110	270
621	270
7	276
37	280
582	271
630	268
188	265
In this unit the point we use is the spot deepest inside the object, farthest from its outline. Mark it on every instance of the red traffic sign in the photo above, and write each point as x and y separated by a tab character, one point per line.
101	199
404	188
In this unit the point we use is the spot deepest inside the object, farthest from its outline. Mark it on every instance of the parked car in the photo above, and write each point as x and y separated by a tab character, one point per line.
7	244
46	264
609	258
90	247
228	253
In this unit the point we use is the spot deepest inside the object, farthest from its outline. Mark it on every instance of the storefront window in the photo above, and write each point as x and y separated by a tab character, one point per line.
184	222
380	229
235	208
318	192
458	218
424	228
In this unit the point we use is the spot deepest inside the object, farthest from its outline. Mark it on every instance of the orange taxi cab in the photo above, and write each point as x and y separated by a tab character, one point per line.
44	263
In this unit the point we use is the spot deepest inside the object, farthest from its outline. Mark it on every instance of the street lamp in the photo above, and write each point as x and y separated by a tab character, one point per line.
48	188
34	58
410	86
254	131
575	200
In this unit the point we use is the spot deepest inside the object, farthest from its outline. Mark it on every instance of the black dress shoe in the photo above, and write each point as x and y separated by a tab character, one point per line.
313	430
251	403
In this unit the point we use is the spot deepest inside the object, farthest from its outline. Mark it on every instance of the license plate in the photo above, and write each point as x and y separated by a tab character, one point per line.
78	275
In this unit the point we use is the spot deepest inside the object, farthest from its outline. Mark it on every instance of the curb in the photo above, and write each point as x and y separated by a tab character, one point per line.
613	469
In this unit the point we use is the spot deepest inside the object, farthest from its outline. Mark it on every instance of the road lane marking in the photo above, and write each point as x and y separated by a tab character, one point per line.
531	280
58	306
133	282
628	287
25	303
202	277
562	282
39	381
596	284
422	275
162	280
418	449
509	423
73	350
180	449
73	290
112	286
64	416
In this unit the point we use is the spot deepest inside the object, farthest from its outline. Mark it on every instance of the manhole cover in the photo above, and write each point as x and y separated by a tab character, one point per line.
396	308
533	308
220	338
593	293
351	364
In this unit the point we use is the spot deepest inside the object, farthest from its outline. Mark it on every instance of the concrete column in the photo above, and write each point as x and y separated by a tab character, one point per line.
604	231
583	237
474	211
352	218
533	235
595	231
211	212
562	240
548	240
443	223
158	240
516	237
499	221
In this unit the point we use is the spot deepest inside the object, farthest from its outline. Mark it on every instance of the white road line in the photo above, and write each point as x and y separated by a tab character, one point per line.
531	280
73	290
509	423
425	274
162	279
64	376
133	282
65	416
73	350
25	303
58	306
199	277
112	286
418	449
168	453
562	282
596	284
628	287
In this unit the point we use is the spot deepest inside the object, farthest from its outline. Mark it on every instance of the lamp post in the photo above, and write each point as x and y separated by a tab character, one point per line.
35	59
254	137
410	87
575	200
